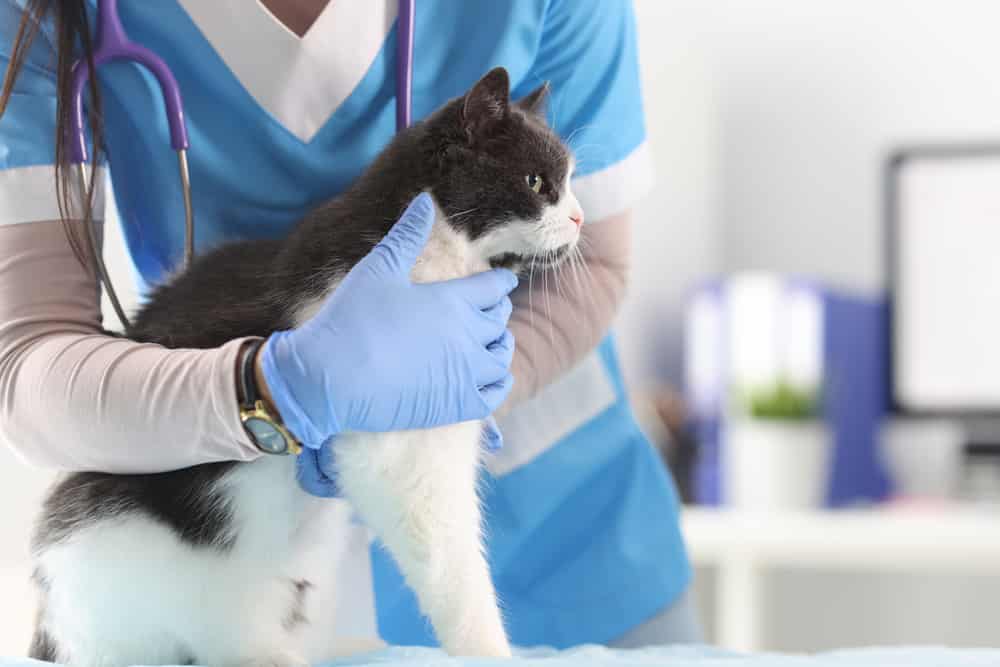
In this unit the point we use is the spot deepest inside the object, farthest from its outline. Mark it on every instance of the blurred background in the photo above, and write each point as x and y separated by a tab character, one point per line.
756	337
824	390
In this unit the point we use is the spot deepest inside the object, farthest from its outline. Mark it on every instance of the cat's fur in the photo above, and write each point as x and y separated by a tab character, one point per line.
200	565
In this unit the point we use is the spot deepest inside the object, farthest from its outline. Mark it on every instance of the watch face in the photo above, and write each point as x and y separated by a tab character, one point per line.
266	436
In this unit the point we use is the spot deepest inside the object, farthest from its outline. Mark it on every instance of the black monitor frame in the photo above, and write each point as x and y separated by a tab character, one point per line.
895	161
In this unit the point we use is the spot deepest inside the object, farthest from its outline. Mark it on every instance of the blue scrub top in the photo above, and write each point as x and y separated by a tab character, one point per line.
582	530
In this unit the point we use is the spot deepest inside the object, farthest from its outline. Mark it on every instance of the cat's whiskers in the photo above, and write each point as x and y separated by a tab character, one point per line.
574	258
553	147
573	274
557	279
555	114
454	216
569	139
575	290
588	274
548	301
568	293
583	160
577	286
557	273
531	290
585	288
580	266
582	275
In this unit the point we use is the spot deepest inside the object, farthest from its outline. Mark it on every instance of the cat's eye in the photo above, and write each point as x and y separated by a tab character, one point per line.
535	182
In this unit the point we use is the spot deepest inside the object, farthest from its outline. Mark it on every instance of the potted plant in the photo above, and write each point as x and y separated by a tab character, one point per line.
776	449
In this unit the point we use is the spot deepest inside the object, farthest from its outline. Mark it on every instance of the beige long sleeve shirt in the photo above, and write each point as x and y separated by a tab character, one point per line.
75	398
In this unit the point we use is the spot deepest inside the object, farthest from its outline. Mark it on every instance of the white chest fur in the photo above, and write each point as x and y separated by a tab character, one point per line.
418	491
447	254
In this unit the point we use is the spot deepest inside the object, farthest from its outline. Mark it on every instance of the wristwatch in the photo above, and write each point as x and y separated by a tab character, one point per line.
261	423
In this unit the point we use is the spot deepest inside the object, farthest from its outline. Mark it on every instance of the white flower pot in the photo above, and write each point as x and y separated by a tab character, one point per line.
775	464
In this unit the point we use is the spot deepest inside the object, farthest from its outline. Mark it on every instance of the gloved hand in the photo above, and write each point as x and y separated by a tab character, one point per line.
314	467
387	354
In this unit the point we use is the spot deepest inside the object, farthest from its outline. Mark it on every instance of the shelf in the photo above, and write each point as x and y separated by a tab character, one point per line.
856	539
742	545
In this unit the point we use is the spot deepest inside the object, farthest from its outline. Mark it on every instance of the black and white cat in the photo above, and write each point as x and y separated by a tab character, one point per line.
200	565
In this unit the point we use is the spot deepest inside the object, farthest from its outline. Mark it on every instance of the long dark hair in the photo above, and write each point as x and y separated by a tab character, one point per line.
72	37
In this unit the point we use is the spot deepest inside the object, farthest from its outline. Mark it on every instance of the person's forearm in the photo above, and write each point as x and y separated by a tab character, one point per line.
73	398
561	315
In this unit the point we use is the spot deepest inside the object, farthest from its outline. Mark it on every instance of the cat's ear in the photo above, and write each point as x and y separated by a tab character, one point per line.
536	101
487	103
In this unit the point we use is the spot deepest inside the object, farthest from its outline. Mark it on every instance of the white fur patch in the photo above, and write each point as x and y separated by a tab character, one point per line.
554	230
447	254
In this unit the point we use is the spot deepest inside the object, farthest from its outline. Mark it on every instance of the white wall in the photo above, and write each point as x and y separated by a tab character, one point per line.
769	120
812	95
797	102
677	238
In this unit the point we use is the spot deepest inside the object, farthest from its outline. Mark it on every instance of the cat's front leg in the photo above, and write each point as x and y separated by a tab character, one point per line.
417	491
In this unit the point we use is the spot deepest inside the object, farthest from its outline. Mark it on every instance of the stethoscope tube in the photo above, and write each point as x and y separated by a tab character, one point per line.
113	44
404	64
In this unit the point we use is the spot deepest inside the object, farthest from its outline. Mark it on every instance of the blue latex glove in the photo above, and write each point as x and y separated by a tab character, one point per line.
314	467
387	354
492	437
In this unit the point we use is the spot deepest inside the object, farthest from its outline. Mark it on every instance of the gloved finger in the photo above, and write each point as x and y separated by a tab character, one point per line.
485	290
325	459
491	363
313	476
492	437
502	349
400	248
495	394
501	311
489	325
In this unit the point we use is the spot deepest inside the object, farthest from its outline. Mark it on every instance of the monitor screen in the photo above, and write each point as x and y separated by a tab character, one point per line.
946	281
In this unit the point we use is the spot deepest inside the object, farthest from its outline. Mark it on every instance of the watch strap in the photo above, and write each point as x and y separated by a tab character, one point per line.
253	406
248	376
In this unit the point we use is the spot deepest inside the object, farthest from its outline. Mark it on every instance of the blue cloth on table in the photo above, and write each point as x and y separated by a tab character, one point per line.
684	656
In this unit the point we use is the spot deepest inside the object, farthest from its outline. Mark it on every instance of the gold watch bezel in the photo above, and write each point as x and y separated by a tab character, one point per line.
260	411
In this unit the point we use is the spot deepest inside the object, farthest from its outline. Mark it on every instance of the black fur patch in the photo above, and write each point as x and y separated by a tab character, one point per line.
508	260
185	501
297	614
42	647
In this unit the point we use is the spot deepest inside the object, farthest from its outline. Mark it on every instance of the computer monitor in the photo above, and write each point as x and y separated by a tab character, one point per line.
943	211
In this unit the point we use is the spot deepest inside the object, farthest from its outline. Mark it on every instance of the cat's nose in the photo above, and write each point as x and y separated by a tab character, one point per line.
576	215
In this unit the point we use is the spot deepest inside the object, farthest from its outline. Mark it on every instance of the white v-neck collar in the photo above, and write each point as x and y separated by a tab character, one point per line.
300	81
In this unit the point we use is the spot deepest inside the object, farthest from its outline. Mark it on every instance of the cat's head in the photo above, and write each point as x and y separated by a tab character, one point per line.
504	175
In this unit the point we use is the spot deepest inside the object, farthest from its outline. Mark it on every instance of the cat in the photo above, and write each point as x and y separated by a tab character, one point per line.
199	565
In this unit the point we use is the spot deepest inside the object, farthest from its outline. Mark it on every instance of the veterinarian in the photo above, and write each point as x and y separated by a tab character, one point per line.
286	100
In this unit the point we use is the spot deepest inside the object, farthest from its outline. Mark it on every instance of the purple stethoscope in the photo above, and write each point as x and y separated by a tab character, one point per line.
112	44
